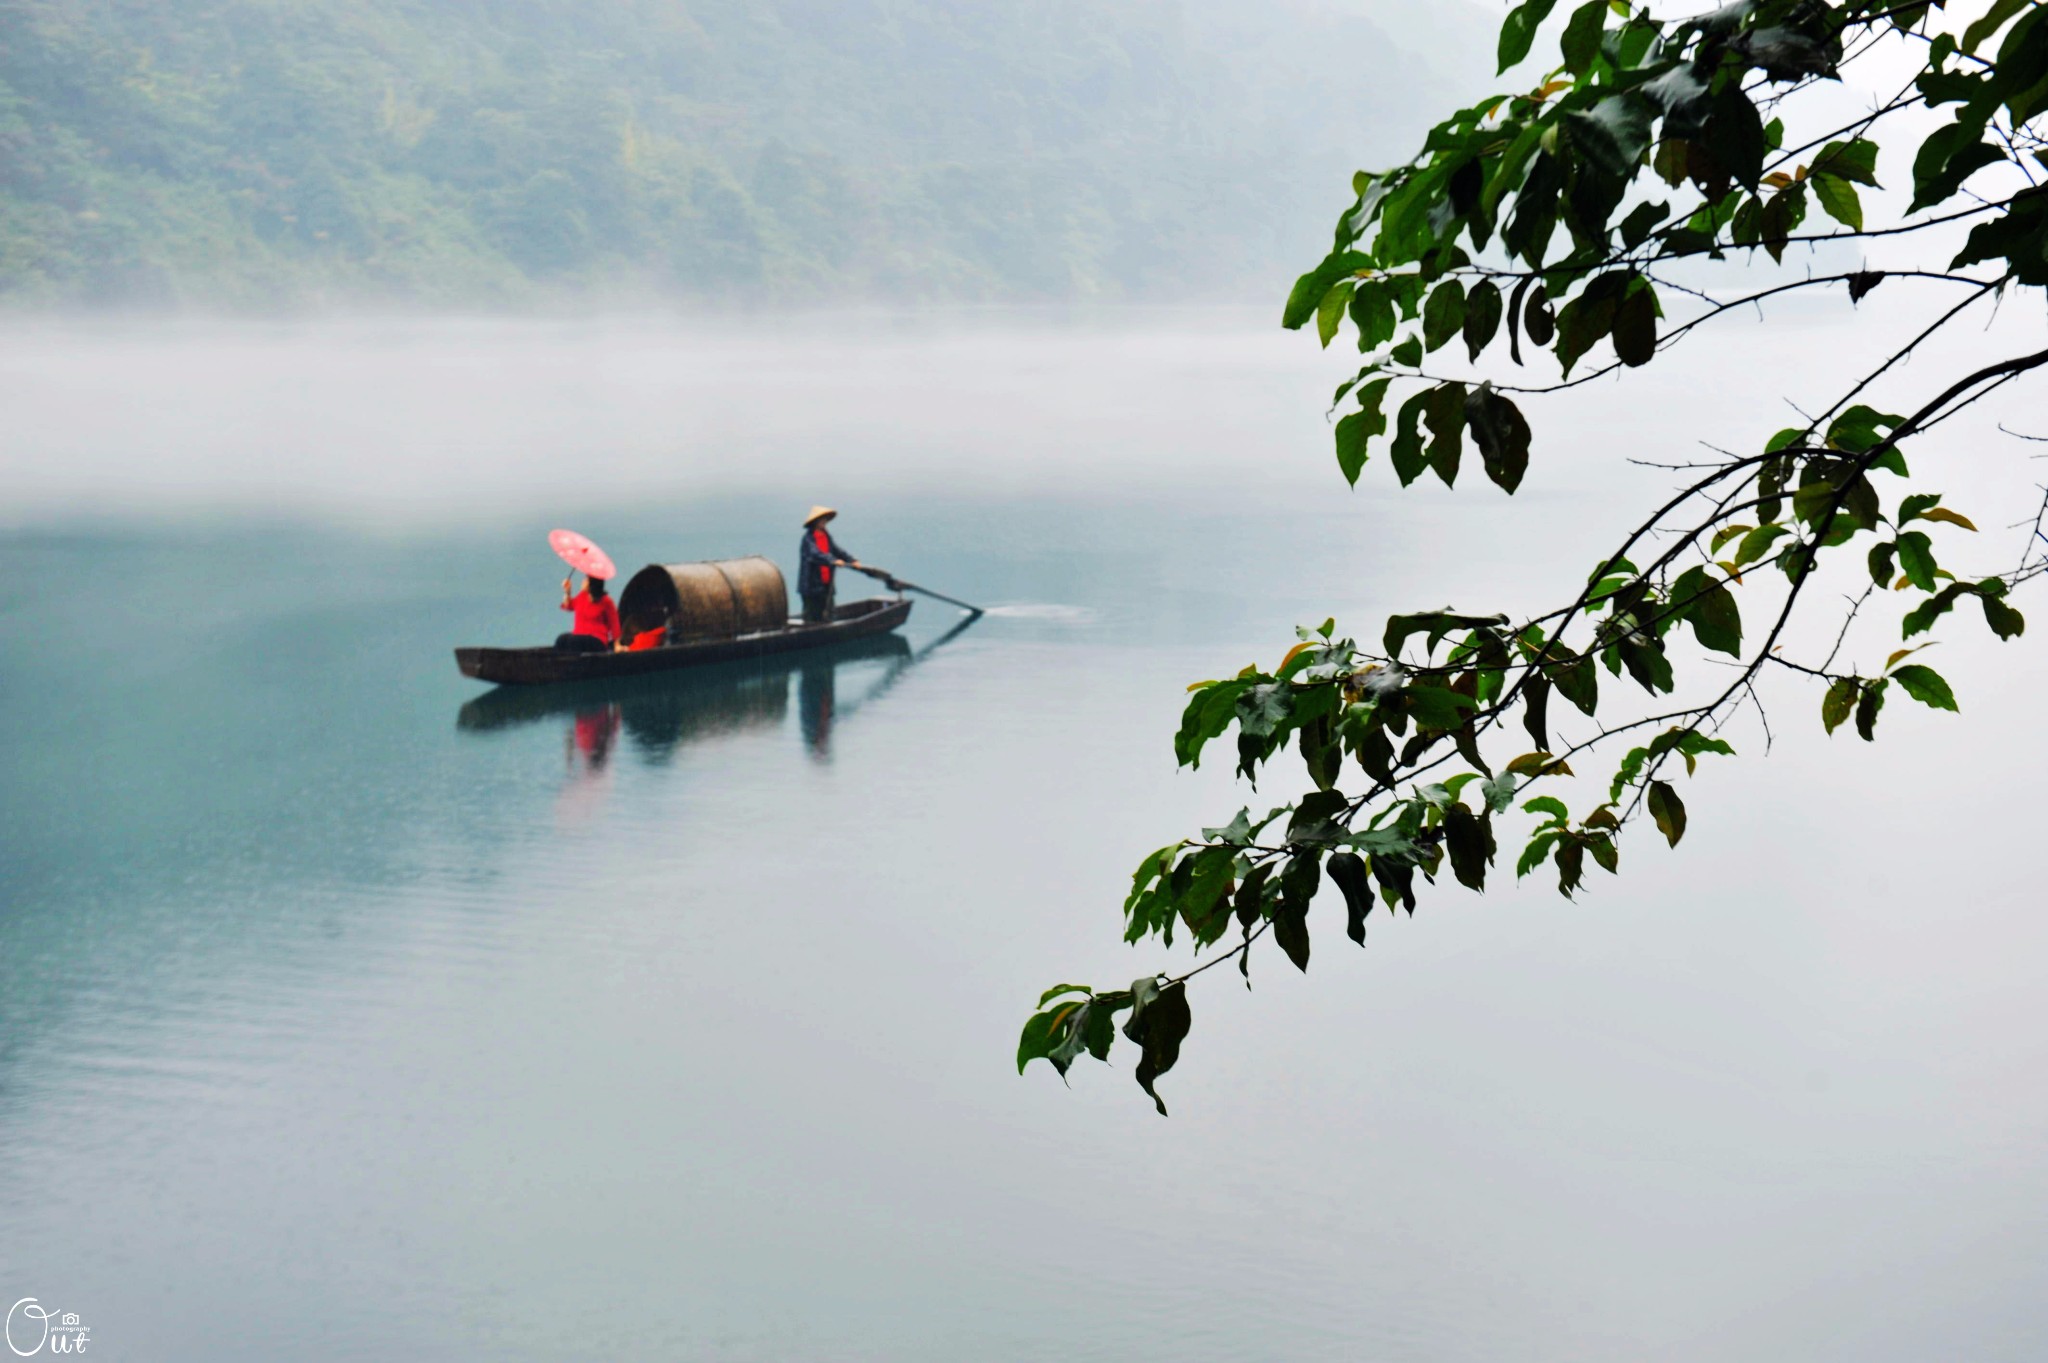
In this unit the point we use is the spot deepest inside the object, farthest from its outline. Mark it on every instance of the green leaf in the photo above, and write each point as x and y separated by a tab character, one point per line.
1158	1026
1397	880
1612	135
1647	663
1860	428
1210	711
1482	317
1347	873
1548	804
1532	855
1406	451
1098	1027
1916	559
1668	810
1916	506
1993	19
1372	312
1318	819
1356	431
1444	414
1782	214
1330	312
1734	135
1925	685
1237	832
1264	708
1717	622
1536	710
1581	41
1438	707
1502	435
1589	317
1308	292
2005	622
1923	616
1200	887
1250	900
1725	534
1635	327
1036	1041
1518	30
1149	870
1838	702
1298	885
1605	852
1443	316
1436	624
1537	318
1867	708
1757	543
1838	198
1947	157
1577	681
1049	995
1571	864
1068	1035
1853	161
1636	227
1468	838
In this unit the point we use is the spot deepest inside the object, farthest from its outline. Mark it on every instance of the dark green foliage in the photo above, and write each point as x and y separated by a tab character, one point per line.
1348	873
1925	685
1501	433
1158	1025
1482	317
1674	110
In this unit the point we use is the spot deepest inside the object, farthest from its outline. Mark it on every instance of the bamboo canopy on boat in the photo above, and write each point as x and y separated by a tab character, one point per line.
706	600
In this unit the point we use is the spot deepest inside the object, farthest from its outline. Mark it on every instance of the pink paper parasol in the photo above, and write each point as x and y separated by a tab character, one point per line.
580	554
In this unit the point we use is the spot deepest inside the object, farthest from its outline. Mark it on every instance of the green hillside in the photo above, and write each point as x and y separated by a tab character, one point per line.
255	152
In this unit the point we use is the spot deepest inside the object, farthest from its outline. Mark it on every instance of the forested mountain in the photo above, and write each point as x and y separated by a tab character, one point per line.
252	152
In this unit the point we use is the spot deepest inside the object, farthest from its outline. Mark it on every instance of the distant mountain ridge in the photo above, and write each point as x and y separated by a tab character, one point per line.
262	152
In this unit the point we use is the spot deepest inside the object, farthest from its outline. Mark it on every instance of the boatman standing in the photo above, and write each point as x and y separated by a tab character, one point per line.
818	556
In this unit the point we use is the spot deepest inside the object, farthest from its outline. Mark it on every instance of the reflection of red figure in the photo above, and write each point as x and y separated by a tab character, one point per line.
590	737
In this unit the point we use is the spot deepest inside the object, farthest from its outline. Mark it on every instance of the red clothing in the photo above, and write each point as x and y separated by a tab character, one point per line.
599	619
822	541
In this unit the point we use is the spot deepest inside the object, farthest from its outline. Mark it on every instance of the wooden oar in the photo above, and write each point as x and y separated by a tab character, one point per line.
897	584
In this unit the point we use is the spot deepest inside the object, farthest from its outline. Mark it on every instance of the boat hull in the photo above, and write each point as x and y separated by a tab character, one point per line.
545	666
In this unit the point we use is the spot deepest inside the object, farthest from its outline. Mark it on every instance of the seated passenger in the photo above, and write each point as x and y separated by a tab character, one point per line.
597	618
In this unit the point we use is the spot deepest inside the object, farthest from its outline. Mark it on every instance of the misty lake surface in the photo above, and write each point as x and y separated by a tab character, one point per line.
350	1011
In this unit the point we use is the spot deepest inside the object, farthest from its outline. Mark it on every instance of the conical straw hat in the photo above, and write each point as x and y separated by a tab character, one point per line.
819	513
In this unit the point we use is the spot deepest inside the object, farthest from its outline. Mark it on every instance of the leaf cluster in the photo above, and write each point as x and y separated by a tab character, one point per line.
1537	222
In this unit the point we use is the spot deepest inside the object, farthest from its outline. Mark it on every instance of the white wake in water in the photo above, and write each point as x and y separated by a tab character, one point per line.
1044	610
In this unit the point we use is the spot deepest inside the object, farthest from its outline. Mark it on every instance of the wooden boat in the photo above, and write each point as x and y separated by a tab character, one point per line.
542	666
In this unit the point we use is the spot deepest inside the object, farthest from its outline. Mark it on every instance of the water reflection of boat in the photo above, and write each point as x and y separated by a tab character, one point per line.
667	711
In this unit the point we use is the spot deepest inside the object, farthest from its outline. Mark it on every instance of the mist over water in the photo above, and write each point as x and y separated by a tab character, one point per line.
350	1009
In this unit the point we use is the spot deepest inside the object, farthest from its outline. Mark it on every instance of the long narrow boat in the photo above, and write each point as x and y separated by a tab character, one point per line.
540	666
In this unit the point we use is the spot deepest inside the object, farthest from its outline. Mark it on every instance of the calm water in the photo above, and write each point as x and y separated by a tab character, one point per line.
349	1012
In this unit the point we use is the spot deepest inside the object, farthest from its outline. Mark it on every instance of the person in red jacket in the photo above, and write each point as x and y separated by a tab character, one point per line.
817	556
597	618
